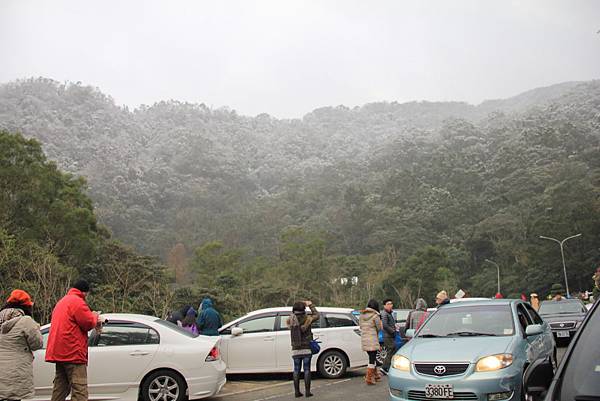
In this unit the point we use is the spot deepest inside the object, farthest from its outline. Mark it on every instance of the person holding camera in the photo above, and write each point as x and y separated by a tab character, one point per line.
67	347
301	335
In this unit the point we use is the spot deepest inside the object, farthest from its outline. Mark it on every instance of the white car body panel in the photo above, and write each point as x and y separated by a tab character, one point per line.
116	372
271	351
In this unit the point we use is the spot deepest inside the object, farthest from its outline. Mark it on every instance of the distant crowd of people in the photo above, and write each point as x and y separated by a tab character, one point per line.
206	320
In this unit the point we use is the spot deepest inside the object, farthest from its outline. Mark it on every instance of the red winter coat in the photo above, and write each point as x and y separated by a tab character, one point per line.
71	321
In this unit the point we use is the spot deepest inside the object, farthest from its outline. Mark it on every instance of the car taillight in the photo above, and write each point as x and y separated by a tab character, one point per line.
213	355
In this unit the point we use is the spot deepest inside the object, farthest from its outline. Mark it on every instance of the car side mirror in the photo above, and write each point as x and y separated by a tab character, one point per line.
410	333
237	331
534	330
538	377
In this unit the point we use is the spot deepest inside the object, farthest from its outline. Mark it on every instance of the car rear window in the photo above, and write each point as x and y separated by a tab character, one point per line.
176	328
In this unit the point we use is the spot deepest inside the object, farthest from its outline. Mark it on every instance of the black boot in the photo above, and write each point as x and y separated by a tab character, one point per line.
307	392
297	385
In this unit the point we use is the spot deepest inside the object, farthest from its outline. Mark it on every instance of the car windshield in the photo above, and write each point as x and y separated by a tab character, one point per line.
176	328
477	320
560	307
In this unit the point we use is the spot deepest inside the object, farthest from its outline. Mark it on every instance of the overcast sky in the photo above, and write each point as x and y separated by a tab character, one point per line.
287	58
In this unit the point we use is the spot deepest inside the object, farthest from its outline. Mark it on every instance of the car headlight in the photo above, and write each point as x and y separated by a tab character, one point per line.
401	363
494	362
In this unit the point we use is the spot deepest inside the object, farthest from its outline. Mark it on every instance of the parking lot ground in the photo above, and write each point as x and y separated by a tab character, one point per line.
278	387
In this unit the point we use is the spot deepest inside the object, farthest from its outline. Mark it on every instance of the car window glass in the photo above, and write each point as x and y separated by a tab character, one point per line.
534	315
117	335
258	325
177	328
581	378
494	320
338	320
46	334
283	322
524	318
400	315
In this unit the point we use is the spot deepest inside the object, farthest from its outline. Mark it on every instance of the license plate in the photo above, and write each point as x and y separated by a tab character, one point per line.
562	334
439	391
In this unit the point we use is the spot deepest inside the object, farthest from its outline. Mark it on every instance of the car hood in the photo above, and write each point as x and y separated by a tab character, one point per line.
455	349
563	317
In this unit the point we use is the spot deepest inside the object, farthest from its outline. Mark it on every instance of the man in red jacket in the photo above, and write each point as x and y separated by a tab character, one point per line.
68	343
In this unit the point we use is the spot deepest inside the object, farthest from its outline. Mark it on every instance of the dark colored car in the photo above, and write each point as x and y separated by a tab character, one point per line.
578	375
564	316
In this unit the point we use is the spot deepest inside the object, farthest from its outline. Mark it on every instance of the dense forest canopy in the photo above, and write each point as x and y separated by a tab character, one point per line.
408	198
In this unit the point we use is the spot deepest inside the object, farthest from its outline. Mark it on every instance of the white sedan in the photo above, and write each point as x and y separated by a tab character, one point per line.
142	357
260	342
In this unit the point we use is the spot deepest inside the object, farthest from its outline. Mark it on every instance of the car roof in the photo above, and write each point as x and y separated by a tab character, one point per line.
289	310
546	301
481	302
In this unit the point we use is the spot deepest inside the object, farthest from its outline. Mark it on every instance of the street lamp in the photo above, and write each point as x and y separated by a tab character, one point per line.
562	254
497	267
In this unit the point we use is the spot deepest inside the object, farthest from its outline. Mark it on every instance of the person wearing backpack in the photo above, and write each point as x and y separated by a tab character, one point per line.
19	337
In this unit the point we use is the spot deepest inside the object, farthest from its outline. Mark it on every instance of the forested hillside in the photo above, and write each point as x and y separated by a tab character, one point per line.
410	198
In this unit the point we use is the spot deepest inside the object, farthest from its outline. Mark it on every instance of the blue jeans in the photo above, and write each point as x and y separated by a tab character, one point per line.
299	361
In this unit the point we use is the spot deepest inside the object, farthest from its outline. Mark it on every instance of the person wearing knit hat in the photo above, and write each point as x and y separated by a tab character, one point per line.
67	347
19	337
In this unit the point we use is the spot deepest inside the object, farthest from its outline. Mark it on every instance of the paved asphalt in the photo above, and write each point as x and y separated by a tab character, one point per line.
279	388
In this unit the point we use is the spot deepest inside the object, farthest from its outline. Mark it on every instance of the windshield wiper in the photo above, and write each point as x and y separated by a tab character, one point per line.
430	335
471	334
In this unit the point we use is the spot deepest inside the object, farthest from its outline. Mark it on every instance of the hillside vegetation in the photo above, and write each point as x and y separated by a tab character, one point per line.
409	198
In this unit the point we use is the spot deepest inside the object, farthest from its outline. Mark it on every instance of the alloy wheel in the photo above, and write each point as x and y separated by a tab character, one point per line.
163	388
333	365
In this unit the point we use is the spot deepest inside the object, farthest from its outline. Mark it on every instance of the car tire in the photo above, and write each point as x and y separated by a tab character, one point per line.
164	385
332	364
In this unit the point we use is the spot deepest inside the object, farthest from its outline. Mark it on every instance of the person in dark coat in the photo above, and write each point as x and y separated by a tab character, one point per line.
389	336
301	336
209	320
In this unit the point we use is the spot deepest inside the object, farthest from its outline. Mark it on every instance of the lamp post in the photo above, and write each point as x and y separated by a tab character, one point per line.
498	268
562	254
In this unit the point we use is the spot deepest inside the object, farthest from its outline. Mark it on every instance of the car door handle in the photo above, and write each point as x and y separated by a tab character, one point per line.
138	353
269	339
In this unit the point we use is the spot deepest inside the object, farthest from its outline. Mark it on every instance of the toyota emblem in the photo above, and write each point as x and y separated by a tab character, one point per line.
562	325
439	370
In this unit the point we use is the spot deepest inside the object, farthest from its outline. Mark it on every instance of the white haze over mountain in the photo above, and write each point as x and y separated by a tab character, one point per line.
286	58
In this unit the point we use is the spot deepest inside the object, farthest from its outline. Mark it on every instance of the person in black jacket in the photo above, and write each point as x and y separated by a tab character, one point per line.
389	333
301	335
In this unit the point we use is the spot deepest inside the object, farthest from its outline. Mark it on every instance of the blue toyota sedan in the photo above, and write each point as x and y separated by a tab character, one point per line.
472	350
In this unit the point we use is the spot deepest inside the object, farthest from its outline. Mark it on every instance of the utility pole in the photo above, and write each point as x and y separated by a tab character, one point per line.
562	254
498	268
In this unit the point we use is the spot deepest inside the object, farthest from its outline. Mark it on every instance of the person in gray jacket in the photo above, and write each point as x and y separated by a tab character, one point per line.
389	333
19	337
